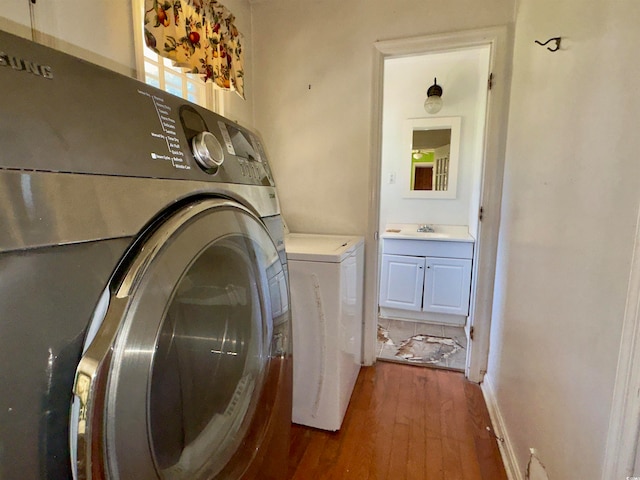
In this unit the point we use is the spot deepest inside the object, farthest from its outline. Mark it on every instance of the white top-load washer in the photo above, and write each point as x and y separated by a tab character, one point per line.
326	275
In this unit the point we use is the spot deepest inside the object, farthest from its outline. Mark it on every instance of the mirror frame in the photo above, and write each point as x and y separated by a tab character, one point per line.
431	123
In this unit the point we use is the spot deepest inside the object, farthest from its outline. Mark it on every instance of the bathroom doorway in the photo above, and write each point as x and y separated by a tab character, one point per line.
462	64
408	335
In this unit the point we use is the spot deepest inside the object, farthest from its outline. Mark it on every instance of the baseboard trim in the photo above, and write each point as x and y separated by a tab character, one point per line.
423	317
506	447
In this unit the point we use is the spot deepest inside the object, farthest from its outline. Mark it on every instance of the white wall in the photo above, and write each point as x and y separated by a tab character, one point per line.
100	32
570	200
313	83
235	108
463	77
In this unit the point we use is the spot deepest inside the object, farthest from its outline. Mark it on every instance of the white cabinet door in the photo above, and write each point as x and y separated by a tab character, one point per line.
447	285
97	31
15	19
401	283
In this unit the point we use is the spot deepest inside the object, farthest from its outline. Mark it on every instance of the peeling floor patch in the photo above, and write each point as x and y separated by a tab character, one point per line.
422	344
383	336
427	349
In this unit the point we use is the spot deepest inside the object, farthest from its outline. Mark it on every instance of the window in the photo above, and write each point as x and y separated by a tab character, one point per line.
160	73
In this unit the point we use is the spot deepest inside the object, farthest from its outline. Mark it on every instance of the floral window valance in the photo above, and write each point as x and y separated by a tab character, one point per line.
198	35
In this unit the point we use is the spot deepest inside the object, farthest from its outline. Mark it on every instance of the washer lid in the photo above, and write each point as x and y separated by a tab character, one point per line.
313	247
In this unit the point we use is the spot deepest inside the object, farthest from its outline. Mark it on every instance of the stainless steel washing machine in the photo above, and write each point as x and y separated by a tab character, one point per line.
144	309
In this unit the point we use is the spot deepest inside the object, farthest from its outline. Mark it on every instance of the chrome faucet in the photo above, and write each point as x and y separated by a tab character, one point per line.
426	228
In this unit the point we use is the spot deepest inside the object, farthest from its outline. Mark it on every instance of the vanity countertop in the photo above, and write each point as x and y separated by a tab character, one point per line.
442	233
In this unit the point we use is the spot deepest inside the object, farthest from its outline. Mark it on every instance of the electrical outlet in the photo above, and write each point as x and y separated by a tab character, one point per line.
392	178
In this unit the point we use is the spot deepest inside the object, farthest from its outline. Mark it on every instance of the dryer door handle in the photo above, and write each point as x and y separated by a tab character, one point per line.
89	389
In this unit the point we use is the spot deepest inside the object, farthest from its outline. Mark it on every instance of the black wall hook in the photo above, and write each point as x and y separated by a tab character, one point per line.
554	39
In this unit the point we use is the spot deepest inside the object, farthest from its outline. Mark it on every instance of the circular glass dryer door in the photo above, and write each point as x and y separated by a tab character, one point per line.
183	373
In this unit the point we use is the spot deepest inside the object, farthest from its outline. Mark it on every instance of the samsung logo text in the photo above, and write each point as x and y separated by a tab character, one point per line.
25	66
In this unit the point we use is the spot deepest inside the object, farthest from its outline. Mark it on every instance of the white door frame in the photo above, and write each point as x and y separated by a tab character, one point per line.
624	421
500	41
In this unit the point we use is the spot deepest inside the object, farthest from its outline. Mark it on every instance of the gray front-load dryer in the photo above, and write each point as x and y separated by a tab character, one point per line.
144	311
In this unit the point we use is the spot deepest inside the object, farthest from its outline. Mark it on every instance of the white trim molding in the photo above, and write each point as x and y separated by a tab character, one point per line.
624	421
514	472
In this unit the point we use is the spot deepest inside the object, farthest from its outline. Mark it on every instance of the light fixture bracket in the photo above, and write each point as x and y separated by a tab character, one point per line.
434	89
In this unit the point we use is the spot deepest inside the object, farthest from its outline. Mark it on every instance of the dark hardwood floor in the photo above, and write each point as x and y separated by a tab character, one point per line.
403	423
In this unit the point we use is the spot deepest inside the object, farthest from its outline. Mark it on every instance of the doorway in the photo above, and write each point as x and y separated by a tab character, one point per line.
481	195
411	334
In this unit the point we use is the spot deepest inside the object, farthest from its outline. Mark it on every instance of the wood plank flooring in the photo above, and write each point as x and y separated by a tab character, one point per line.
403	423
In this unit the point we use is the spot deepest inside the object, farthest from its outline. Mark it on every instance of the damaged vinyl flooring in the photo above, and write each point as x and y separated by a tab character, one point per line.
424	344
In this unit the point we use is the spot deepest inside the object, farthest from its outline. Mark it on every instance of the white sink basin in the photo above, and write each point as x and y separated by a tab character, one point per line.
409	231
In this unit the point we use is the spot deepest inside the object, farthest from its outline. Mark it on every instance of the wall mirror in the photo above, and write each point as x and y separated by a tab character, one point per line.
430	157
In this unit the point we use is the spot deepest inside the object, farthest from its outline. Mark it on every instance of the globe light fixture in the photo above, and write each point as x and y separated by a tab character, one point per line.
433	103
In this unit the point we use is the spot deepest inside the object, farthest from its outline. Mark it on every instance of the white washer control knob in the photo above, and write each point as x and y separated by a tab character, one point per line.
207	150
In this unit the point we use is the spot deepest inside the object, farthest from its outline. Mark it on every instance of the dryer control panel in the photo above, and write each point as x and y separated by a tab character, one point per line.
67	115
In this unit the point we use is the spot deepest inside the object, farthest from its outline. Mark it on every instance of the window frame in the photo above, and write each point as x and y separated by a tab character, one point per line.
211	97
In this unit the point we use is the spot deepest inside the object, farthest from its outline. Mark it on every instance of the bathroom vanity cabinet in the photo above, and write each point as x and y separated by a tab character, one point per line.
426	279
